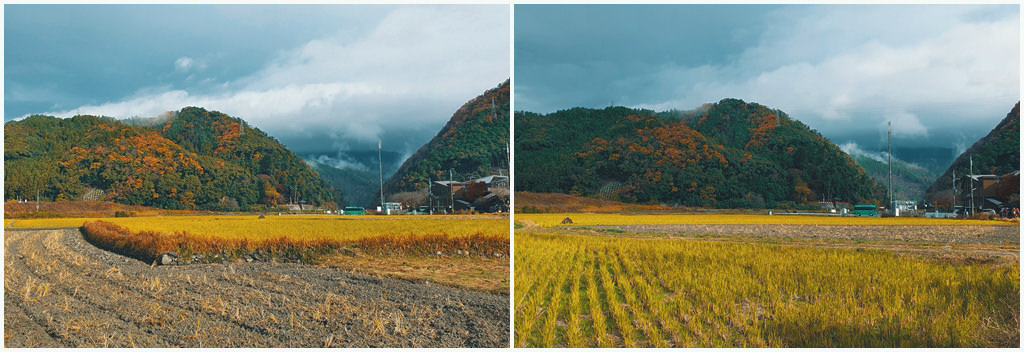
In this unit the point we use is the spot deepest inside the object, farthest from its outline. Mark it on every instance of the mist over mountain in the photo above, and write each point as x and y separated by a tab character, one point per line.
909	180
355	172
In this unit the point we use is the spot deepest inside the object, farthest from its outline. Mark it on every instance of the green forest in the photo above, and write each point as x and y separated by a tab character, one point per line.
197	159
731	154
473	144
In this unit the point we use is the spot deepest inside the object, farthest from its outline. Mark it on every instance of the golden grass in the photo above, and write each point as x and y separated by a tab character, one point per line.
298	227
657	292
297	239
587	219
148	245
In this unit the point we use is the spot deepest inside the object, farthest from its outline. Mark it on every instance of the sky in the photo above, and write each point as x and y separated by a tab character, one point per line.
316	77
944	75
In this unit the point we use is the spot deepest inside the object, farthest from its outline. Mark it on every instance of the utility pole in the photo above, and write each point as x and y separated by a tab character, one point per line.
889	142
972	184
37	200
954	192
430	195
451	188
380	164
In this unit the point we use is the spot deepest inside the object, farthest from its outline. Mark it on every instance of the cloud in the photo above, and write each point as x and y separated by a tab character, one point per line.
340	161
905	124
415	68
837	69
843	70
852	148
183	63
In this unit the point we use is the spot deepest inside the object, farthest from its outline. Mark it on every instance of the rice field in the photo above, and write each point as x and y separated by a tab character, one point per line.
587	291
337	228
589	219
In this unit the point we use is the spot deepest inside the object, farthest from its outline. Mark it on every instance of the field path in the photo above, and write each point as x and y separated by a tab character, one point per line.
60	291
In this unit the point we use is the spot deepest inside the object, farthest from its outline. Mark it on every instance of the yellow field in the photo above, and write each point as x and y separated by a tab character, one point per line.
586	219
298	227
579	291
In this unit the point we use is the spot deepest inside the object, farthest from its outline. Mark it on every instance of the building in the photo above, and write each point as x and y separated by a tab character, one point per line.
494	181
442	193
391	208
990	191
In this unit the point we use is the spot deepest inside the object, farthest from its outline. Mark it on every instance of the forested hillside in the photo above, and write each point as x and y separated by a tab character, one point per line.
196	160
472	144
998	153
909	181
728	154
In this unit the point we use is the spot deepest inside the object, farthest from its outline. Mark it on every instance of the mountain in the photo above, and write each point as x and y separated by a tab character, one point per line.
192	159
361	187
998	153
730	154
355	173
472	144
909	181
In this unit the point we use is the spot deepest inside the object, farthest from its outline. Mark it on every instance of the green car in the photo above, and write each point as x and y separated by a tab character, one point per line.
864	210
353	211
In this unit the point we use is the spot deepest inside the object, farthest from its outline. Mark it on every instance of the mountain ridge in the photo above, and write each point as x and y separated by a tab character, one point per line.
195	159
472	143
997	153
720	155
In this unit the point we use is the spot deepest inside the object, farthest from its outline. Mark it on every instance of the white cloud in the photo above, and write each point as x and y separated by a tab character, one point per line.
340	162
417	66
905	124
841	68
852	148
185	64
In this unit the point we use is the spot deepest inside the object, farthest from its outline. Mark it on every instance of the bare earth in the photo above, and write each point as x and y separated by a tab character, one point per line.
60	291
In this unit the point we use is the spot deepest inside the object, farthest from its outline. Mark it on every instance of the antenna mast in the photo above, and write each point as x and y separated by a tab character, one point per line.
380	164
954	191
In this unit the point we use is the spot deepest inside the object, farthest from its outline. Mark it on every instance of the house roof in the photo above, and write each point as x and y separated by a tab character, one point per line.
977	177
491	178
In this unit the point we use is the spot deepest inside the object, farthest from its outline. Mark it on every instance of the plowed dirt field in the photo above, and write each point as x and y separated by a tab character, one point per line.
61	291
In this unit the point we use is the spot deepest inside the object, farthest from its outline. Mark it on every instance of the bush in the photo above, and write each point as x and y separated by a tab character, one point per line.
983	216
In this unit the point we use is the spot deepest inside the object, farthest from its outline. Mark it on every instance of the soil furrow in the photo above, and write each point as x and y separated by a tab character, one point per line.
124	283
48	302
97	298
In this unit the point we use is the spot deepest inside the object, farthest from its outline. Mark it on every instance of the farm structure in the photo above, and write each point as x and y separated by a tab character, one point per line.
487	195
